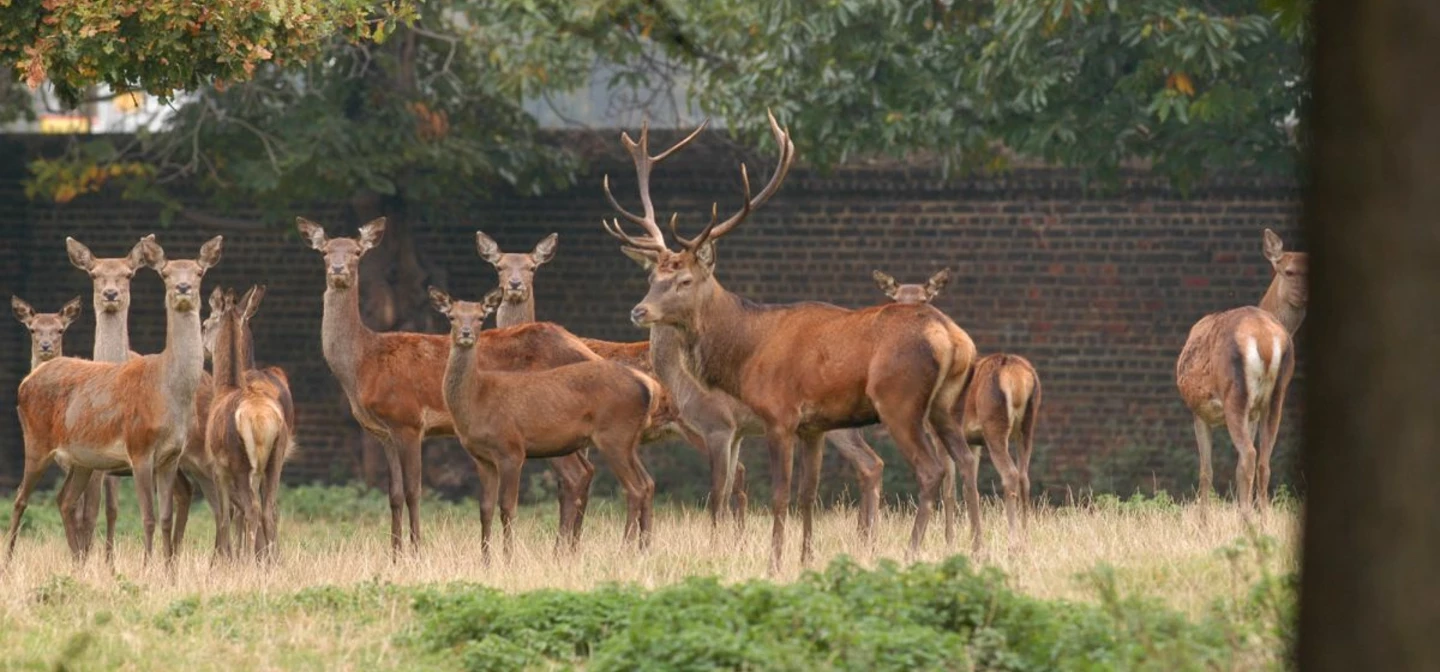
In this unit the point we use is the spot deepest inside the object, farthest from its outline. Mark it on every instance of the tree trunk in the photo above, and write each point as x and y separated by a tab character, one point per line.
1371	564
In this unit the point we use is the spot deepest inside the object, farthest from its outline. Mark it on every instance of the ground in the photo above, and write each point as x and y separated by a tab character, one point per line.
247	617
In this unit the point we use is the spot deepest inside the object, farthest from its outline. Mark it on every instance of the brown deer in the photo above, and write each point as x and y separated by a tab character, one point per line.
393	382
47	330
805	368
1235	369
504	417
110	282
251	429
1001	404
711	421
117	415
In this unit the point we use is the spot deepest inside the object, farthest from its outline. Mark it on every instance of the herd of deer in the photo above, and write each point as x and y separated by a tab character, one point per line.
717	367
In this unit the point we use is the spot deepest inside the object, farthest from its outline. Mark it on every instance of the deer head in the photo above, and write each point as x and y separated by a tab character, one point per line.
467	318
517	271
682	280
220	303
1289	284
182	276
47	330
342	255
912	293
110	277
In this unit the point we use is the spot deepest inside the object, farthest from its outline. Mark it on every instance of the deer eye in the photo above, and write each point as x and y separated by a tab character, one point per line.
686	282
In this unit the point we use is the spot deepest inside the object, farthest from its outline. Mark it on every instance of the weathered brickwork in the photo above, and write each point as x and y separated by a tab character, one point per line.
1097	289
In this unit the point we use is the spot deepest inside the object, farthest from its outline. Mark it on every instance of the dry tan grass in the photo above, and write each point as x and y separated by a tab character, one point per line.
1167	552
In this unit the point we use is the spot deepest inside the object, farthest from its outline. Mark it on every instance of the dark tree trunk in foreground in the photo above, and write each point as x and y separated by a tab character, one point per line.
1371	571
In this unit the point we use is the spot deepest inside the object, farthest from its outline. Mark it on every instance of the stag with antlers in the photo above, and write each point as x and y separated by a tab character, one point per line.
803	368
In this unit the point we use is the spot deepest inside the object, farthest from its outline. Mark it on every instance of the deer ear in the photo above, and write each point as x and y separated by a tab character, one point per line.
1274	247
151	254
492	300
210	253
487	247
23	311
217	300
936	283
70	311
885	283
136	258
252	301
545	249
646	258
312	232
440	300
371	233
80	255
705	254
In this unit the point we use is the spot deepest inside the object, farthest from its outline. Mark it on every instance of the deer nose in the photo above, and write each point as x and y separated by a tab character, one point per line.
337	269
466	332
183	288
45	347
515	284
110	294
638	314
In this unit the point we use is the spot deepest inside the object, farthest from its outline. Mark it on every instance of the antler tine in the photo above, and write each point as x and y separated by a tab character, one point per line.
680	145
644	162
646	243
782	169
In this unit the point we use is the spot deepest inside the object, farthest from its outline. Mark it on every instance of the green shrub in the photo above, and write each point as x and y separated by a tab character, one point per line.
925	617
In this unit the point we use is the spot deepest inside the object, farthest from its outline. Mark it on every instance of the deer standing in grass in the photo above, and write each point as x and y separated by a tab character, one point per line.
122	415
251	429
1001	404
504	417
110	281
1235	369
709	420
393	382
807	368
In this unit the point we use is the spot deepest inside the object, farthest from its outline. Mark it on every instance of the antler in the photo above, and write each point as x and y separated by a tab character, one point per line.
640	154
715	229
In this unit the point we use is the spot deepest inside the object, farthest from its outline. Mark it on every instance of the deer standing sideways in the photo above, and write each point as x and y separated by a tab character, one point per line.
503	417
393	382
1001	404
251	429
807	368
116	415
711	421
1235	369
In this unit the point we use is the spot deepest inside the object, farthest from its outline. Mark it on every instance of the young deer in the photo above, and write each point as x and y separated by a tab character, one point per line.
1235	369
251	428
1002	403
504	417
393	382
711	421
805	368
127	415
110	296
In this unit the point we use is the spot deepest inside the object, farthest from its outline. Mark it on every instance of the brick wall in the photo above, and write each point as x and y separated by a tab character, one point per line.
1097	289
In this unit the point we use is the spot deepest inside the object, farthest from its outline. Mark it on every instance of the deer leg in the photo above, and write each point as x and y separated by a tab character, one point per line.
144	471
212	497
408	441
1026	449
947	491
397	498
869	468
72	489
512	460
782	458
34	469
997	442
1204	441
1238	422
184	499
112	512
489	476
573	472
620	454
270	495
812	457
166	474
89	511
1269	432
947	429
740	506
907	427
715	445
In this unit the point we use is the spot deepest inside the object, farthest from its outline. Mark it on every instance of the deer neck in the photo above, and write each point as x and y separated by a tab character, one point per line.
230	356
344	336
460	372
183	358
35	356
513	313
718	341
1274	303
112	335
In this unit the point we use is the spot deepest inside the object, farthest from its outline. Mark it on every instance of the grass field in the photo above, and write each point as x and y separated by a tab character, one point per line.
335	601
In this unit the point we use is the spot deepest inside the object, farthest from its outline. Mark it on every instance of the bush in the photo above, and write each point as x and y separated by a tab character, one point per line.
926	617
